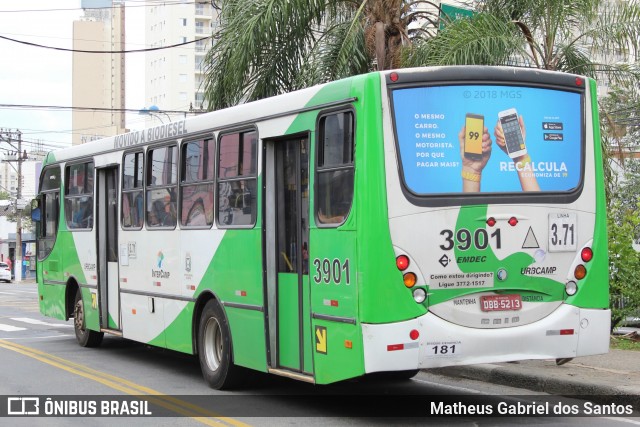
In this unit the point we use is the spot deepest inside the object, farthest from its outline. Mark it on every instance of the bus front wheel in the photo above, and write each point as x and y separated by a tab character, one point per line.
214	348
86	337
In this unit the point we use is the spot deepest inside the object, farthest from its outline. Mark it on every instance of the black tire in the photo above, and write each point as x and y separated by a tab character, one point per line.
85	337
214	348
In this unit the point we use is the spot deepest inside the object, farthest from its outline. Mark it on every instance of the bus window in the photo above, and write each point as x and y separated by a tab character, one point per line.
50	202
162	172
335	168
197	188
237	183
78	200
132	199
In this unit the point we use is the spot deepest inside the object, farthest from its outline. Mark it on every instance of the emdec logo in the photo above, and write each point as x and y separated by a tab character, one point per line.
160	259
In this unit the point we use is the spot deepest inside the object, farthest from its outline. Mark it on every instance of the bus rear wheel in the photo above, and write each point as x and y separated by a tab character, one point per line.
85	337
214	348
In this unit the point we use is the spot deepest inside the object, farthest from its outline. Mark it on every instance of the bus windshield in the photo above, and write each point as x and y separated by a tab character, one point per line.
504	138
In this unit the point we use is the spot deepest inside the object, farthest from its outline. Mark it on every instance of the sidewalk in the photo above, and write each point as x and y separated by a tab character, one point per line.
612	378
30	279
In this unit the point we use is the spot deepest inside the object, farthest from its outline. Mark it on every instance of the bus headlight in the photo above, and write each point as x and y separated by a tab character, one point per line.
571	288
419	295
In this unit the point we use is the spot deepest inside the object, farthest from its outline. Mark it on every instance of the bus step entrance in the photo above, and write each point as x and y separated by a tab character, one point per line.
111	331
291	374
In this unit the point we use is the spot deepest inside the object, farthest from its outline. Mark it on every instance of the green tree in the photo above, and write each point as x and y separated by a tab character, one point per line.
267	47
621	134
620	121
577	36
25	218
624	261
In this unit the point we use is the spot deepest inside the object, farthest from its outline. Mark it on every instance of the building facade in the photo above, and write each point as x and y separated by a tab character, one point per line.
98	78
174	77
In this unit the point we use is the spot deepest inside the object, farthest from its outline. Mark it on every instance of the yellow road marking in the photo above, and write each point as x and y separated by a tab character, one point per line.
171	403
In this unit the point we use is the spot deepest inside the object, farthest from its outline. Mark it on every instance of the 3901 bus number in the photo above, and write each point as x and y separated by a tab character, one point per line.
479	239
328	271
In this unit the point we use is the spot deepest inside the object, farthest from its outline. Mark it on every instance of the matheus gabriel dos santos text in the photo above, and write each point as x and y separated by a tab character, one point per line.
530	408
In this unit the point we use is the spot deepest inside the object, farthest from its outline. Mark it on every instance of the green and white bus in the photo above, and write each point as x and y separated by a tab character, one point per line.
386	222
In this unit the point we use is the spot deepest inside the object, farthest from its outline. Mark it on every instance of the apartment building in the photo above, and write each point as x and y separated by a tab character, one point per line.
98	78
174	77
30	174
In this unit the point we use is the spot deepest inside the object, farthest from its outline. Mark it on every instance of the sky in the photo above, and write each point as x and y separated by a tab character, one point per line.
37	76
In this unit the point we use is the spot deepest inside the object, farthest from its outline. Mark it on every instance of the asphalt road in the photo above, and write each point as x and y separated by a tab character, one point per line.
39	358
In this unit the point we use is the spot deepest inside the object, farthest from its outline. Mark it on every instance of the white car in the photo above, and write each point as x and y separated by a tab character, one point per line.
5	272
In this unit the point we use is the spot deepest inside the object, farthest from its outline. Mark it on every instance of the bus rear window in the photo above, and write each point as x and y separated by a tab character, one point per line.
488	138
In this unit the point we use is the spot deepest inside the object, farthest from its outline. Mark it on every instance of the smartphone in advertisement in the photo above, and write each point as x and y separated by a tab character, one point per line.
474	124
512	133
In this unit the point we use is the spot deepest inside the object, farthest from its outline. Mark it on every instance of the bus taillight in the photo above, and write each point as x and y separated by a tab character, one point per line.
571	288
409	280
513	221
580	272
586	254
402	262
419	295
491	222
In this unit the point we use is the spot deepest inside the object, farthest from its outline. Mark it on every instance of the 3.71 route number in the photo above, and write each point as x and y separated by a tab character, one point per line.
563	232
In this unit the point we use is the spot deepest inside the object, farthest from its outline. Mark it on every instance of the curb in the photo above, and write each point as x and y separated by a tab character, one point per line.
518	377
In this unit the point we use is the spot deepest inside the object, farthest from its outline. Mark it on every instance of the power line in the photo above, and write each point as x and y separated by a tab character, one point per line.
166	3
108	110
43	36
150	49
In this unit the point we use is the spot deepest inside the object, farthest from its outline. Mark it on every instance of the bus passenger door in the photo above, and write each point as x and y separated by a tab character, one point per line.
287	245
107	240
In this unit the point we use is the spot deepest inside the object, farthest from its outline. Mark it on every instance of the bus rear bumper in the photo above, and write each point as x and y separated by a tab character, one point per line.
567	332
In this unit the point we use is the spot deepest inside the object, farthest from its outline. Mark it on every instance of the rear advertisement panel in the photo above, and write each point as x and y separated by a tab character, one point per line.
505	139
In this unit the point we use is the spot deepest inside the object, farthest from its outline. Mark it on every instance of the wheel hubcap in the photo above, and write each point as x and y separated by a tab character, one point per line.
79	317
213	344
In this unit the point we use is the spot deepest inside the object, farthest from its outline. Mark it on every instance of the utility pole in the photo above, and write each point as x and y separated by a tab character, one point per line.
18	264
9	136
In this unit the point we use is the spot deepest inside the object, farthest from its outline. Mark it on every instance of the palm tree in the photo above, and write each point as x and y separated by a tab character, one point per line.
267	47
578	36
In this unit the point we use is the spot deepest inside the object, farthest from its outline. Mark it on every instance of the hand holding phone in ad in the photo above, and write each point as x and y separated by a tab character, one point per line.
510	136
475	151
473	136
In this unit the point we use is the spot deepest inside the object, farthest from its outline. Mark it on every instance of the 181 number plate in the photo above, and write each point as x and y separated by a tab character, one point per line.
500	302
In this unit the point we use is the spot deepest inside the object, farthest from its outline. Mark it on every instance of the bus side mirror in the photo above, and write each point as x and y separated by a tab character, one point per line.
35	214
